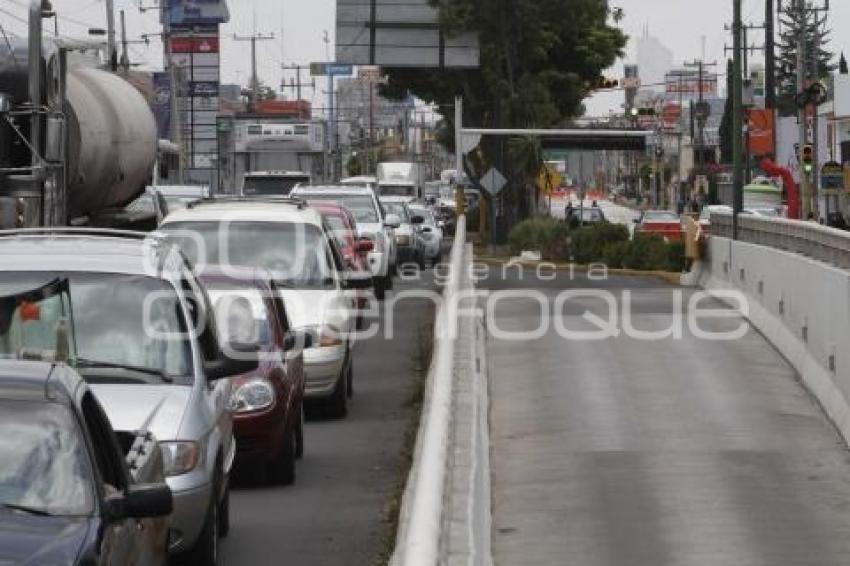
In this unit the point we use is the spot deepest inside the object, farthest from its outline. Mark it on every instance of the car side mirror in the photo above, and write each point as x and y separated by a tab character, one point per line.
235	359
392	221
357	280
365	245
297	339
146	501
417	219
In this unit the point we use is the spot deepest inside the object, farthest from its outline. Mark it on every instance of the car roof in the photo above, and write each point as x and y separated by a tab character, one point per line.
256	211
36	381
396	199
95	252
276	174
332	190
242	277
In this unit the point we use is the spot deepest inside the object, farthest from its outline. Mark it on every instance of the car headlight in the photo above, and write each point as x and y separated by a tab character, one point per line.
254	395
179	458
326	336
402	240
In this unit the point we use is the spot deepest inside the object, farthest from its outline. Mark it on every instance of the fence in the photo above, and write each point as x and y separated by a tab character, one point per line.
808	238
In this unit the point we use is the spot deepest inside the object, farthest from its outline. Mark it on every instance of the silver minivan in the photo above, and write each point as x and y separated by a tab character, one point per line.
128	313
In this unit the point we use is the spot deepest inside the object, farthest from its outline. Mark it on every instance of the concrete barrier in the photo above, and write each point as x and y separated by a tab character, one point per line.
801	305
445	511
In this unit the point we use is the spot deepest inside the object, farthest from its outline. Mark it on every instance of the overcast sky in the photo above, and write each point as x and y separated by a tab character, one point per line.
298	26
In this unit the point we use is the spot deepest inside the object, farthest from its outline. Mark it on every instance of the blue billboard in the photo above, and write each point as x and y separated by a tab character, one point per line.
197	12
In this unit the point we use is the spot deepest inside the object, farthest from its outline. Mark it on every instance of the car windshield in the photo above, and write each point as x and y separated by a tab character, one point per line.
339	229
95	319
272	185
660	216
361	206
398	209
295	254
44	467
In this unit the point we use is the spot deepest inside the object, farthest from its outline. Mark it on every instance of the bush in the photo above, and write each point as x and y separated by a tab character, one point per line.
614	255
647	252
587	245
676	256
546	235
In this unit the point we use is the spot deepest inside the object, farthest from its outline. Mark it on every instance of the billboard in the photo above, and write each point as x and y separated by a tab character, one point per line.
192	12
762	132
685	85
400	33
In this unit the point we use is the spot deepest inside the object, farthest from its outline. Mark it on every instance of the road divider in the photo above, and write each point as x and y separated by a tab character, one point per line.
445	511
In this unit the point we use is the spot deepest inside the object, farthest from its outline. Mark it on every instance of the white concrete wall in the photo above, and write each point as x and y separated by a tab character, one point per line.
801	306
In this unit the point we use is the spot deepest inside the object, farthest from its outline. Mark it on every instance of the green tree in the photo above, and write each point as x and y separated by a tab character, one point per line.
794	19
539	60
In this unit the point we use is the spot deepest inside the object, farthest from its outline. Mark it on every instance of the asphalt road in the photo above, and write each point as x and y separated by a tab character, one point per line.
336	512
629	452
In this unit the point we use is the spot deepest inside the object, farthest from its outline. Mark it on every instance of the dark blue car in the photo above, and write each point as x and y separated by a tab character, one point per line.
71	489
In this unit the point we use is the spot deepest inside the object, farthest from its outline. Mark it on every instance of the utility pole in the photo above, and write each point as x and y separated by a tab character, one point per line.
701	111
111	50
295	84
802	117
737	116
125	56
255	79
769	56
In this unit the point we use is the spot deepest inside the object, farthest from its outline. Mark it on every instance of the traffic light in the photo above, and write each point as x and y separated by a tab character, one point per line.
808	158
646	111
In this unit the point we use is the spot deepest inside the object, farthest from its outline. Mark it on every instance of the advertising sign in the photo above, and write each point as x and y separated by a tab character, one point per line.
183	44
762	132
832	177
188	12
685	84
207	89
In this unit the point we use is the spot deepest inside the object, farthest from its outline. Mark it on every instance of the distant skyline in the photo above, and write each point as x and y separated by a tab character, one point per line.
299	27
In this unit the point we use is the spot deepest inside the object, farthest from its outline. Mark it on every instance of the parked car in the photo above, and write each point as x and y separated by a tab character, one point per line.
67	495
410	244
663	222
267	404
290	241
430	232
373	222
137	325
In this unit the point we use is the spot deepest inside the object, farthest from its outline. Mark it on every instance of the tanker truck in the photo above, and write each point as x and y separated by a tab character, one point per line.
75	140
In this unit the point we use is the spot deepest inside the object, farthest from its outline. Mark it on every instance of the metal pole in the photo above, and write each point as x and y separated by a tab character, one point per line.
737	118
125	56
458	151
769	56
111	50
806	196
815	180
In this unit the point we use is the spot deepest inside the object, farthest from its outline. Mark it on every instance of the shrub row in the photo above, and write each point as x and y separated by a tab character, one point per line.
602	243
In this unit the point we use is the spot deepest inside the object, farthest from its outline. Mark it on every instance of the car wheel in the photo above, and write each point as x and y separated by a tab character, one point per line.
338	402
349	377
282	468
299	434
205	551
422	262
224	513
380	288
389	283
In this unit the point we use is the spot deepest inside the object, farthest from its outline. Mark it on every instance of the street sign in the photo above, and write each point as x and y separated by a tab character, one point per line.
331	69
370	73
493	181
832	176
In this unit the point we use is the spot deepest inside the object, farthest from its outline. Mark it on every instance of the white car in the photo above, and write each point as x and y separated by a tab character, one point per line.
289	240
373	223
408	239
431	233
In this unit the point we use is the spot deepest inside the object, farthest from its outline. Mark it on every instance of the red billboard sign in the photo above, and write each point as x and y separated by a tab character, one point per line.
762	132
194	45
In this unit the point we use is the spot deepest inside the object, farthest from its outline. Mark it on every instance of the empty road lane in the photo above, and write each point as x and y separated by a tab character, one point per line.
630	452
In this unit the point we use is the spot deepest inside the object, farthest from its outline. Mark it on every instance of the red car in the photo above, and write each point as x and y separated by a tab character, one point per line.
663	222
267	404
342	225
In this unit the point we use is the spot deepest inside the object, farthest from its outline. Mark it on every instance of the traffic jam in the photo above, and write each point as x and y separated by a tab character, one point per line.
142	372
